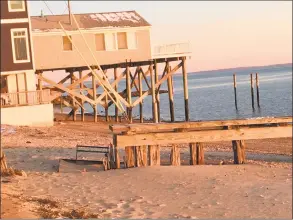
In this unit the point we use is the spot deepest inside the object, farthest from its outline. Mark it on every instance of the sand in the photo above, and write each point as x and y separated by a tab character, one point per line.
260	189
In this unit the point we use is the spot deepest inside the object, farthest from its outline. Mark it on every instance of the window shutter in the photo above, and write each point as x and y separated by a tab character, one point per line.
131	40
110	41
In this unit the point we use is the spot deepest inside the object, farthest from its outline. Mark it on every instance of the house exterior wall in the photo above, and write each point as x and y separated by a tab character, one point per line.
7	63
49	54
34	115
6	14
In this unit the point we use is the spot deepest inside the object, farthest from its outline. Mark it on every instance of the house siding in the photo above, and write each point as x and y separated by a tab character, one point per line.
49	54
6	14
7	63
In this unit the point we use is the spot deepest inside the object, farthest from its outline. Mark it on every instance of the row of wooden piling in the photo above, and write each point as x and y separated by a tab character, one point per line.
251	90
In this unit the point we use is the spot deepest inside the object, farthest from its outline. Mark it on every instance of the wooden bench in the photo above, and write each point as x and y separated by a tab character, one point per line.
93	149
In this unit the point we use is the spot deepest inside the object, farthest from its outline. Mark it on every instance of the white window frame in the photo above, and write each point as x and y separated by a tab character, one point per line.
16	10
136	40
115	40
13	45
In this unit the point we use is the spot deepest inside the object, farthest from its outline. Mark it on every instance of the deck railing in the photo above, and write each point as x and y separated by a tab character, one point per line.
166	50
25	98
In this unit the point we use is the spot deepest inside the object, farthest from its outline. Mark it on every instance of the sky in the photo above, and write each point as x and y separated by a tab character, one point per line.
222	34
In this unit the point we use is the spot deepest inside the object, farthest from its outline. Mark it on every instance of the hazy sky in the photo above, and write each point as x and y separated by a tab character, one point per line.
223	34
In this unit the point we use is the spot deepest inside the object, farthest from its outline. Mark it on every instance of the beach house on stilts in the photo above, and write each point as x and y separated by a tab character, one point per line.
21	102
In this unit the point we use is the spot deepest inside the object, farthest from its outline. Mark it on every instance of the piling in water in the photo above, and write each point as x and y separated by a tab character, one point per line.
235	90
251	88
257	89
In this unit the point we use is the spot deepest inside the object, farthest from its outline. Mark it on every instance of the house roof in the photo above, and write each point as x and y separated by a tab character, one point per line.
89	21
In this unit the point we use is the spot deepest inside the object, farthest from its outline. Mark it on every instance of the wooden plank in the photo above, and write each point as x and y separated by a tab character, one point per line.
63	88
203	136
153	127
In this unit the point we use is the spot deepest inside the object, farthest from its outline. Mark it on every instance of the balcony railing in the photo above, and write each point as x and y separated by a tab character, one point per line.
171	50
25	98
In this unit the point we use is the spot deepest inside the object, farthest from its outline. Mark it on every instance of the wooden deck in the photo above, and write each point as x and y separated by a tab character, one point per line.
135	137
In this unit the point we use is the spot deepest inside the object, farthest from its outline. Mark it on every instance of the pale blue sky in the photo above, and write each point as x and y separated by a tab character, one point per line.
223	34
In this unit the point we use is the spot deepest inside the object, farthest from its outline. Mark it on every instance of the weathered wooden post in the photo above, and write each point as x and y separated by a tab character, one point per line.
141	156
175	156
170	93
157	91
257	89
40	86
81	85
128	91
116	152
94	87
251	89
239	151
73	98
154	155
130	156
235	90
116	89
192	150
61	104
106	105
199	153
185	86
140	94
154	103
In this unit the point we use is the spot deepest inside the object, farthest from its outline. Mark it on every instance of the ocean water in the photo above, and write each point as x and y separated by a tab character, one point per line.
211	95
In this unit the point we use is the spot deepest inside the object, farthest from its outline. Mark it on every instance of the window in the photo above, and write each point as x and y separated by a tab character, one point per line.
122	40
17	5
20	46
110	41
100	42
67	45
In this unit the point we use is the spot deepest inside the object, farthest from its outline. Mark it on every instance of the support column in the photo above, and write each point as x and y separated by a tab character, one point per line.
94	87
154	103
128	90
199	153
73	98
140	94
185	86
81	85
170	93
192	150
157	91
175	156
40	87
116	89
154	155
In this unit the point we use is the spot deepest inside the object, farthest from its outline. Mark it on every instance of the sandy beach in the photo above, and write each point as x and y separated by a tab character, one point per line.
262	188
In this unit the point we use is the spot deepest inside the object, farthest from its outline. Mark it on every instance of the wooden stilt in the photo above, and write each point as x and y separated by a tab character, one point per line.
154	155
251	89
116	89
199	153
128	90
40	85
81	85
140	94
235	90
257	89
94	87
239	151
154	103
192	150
61	104
116	152
157	90
170	92
74	108
175	156
106	106
185	86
